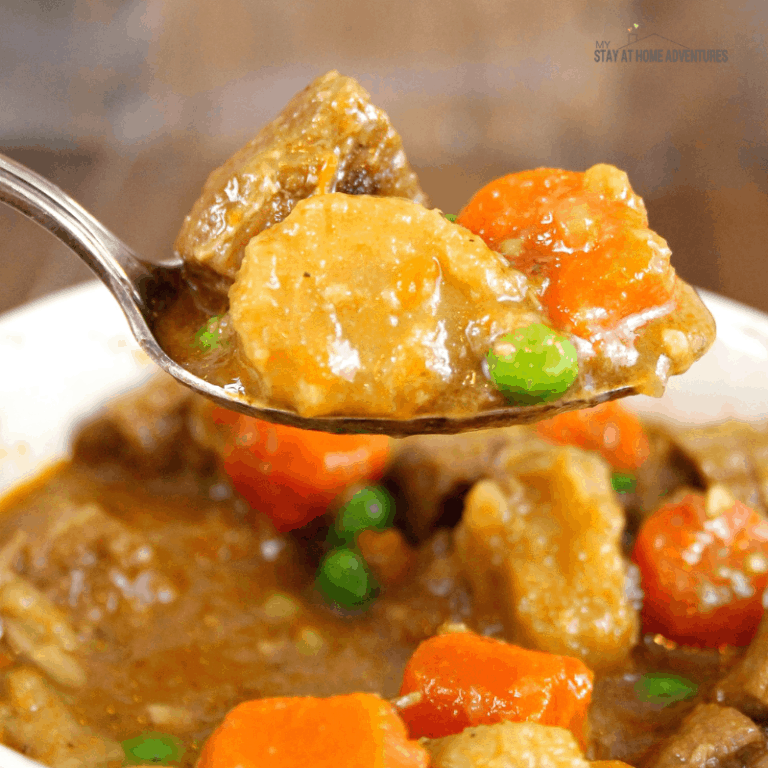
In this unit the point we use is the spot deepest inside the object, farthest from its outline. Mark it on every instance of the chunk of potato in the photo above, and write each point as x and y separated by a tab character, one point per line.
507	745
375	306
545	536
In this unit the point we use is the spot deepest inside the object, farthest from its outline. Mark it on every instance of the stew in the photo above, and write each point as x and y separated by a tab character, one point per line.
319	281
151	612
197	588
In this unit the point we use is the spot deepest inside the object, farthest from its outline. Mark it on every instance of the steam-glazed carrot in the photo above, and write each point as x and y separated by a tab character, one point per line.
290	474
388	554
583	238
360	730
610	429
704	568
467	679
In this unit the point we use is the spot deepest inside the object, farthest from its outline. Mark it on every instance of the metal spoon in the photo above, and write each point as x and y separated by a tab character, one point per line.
142	289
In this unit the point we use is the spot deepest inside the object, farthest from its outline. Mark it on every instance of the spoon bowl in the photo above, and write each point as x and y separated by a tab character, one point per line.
144	289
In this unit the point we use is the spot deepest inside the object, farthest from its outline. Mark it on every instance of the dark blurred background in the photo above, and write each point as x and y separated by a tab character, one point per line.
128	104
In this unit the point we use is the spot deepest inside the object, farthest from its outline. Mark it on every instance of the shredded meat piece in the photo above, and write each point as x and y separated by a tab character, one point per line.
81	557
37	631
39	724
710	737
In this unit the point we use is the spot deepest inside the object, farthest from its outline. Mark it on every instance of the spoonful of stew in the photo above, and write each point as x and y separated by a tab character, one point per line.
313	286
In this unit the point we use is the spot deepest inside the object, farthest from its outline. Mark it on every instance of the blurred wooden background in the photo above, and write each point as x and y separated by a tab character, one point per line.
129	104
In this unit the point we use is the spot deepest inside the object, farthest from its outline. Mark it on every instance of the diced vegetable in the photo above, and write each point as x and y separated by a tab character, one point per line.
623	482
209	336
664	688
157	748
467	679
371	507
344	579
547	531
396	338
583	236
290	474
360	729
615	432
507	745
533	364
609	764
704	569
389	556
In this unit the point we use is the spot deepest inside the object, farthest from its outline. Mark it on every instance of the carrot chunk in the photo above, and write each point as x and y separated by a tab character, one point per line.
614	432
388	554
704	568
290	474
360	729
583	238
467	679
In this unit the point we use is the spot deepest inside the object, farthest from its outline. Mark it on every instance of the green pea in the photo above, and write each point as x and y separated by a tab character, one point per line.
370	507
623	482
344	579
158	748
209	335
664	688
533	364
451	217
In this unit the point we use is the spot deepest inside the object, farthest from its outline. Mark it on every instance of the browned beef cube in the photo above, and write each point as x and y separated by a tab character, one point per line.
734	454
746	685
329	138
710	737
433	471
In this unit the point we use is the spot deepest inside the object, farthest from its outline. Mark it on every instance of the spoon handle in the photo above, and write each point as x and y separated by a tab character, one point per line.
110	258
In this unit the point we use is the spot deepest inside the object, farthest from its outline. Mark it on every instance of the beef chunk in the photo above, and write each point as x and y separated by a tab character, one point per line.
152	430
433	471
734	454
664	471
746	685
329	138
710	737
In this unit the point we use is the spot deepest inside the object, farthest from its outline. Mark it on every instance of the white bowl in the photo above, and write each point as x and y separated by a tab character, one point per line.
64	356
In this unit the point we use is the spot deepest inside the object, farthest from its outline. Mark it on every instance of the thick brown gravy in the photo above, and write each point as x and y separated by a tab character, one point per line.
185	603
